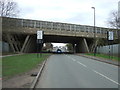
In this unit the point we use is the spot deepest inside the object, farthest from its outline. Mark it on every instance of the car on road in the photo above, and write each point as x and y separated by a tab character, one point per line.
59	51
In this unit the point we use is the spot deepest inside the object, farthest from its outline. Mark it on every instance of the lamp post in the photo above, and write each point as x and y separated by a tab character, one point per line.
94	30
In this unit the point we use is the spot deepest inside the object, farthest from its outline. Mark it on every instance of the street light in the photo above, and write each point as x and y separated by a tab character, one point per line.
94	30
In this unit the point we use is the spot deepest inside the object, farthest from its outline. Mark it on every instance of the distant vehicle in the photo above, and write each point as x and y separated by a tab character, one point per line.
59	51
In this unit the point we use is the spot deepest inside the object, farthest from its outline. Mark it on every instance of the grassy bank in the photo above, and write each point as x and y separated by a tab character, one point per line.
104	56
14	65
0	67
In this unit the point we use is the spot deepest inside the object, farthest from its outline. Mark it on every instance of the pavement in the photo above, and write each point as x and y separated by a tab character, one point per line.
72	71
10	55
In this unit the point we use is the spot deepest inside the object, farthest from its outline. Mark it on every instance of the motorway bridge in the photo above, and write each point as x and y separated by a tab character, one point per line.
21	34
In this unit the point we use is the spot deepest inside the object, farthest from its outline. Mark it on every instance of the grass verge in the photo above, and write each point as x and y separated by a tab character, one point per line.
14	65
0	67
105	56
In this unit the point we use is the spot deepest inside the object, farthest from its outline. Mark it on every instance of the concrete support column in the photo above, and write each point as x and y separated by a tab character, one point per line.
91	47
27	46
24	44
74	47
30	45
86	46
94	45
17	42
78	50
9	40
82	46
13	42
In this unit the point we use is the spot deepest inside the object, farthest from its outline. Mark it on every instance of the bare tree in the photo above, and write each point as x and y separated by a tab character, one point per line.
113	21
8	8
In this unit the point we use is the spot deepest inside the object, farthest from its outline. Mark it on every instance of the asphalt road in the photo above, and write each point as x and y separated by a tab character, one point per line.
71	71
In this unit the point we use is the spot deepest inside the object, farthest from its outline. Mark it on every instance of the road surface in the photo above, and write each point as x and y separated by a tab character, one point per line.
71	71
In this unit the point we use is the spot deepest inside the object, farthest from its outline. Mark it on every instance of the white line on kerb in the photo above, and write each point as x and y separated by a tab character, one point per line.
81	64
106	77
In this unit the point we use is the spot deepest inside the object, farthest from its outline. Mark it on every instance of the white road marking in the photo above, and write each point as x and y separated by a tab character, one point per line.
68	56
106	77
73	59
77	61
81	64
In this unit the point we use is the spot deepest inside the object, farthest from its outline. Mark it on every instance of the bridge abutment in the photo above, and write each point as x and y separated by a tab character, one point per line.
20	43
13	42
29	45
81	46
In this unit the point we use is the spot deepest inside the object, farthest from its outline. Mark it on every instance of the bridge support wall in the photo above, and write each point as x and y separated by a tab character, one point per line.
82	46
24	44
29	44
13	42
21	43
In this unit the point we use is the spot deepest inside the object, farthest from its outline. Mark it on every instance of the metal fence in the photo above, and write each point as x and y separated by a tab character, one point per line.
4	47
109	49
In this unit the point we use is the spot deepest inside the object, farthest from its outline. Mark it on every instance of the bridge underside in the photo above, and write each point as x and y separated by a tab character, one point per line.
23	43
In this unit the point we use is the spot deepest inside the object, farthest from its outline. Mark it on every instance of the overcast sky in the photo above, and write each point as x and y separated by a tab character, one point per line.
68	11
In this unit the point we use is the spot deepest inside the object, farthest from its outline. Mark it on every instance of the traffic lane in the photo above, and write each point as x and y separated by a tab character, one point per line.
56	74
114	73
106	69
62	72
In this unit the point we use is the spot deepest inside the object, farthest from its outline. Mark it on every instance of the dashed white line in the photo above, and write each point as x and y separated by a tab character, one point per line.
73	59
77	61
106	77
81	64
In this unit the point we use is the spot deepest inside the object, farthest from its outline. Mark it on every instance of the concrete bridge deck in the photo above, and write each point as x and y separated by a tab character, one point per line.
26	26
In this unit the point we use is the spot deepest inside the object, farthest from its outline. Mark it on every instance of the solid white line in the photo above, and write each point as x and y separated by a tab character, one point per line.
106	77
81	64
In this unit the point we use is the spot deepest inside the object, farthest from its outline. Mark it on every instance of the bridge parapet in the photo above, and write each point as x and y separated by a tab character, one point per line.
27	26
